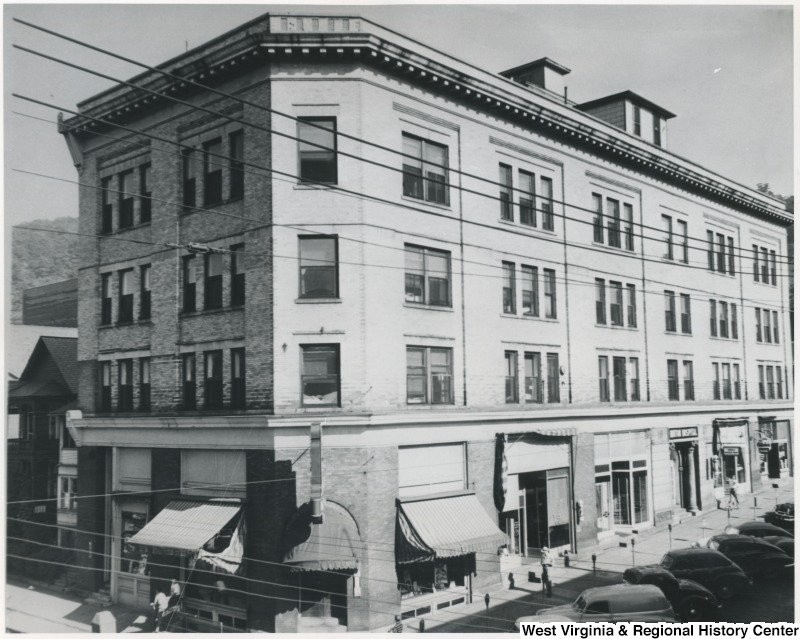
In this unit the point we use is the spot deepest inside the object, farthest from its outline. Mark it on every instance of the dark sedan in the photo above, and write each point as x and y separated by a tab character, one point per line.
756	557
709	568
786	544
757	529
782	516
690	600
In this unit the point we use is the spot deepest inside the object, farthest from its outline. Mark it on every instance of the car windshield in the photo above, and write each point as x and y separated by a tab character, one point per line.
579	604
667	561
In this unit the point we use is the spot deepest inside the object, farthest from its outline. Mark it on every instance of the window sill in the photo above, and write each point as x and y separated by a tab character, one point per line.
678	334
528	228
211	311
318	300
435	205
621	327
726	274
536	318
430	406
323	186
429	307
614	249
725	339
761	343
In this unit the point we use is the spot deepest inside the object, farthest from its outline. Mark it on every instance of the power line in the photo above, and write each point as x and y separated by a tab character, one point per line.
183	80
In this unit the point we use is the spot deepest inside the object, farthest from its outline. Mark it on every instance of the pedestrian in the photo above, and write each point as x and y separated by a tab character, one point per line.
511	584
159	605
733	497
547	563
398	625
174	593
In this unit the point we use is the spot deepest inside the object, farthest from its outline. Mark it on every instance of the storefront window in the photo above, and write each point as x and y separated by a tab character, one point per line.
134	557
640	496
430	576
622	487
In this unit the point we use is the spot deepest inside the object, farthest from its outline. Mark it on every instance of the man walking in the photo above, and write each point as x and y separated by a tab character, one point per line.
547	563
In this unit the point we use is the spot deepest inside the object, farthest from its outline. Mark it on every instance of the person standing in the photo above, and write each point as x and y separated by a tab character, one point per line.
159	605
398	625
547	563
174	593
733	496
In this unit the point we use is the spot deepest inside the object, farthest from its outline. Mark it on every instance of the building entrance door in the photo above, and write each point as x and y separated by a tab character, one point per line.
535	512
547	509
686	475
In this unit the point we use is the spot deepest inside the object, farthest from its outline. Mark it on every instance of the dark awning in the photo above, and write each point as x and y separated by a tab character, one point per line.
445	526
330	545
38	388
187	525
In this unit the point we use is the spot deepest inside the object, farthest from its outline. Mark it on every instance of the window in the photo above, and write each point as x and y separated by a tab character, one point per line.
189	179
424	170
778	383
126	199
726	381
713	317
631	305
546	203
429	375
212	172
527	198
212	386
125	380
319	376
734	322
237	378
125	296
720	253
534	387
597	205
144	384
627	210
686	314
189	284
683	240
731	258
67	499
669	311
767	330
236	153
66	438
710	252
755	263
773	268
509	288
715	366
775	327
637	120
189	382
602	374
633	369
761	388
758	324
620	383
318	267
553	380
316	150
688	380
213	281
616	303
144	292
672	379
237	275
105	303
764	266
723	319
666	221
530	291
600	300
656	131
613	223
105	387
107	208
512	378
145	194
737	388
506	196
549	293
427	276
770	382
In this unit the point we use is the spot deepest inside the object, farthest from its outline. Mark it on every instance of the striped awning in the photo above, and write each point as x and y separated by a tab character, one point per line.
446	526
328	545
187	525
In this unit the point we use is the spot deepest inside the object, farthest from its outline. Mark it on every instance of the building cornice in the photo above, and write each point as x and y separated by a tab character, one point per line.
285	38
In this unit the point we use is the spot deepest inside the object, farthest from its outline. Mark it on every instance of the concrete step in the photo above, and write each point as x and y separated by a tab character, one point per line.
320	625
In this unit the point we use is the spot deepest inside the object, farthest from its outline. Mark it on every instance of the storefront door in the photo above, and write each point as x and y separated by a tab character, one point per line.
535	512
131	585
603	503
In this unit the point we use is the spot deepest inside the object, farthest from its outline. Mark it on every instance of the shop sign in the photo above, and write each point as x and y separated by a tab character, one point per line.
680	433
730	450
764	445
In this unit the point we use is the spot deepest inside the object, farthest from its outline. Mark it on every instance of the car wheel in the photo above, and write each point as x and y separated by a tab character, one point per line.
694	609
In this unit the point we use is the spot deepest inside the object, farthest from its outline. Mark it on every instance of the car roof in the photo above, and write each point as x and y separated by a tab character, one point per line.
623	591
682	552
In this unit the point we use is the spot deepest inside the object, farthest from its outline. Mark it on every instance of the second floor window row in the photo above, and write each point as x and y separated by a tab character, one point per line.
727	381
126	369
613	222
534	205
770	382
121	194
765	265
615	304
538	386
532	305
211	368
676	239
723	319
767	326
212	267
125	282
674	385
213	170
672	321
720	253
620	383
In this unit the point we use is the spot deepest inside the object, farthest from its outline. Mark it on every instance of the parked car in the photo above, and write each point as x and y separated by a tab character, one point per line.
622	602
690	600
758	558
786	544
782	516
757	529
709	568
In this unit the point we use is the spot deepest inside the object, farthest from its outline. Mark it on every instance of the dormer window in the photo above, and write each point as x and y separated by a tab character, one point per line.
637	120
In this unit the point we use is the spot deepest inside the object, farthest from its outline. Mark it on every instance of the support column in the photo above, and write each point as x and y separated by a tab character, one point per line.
692	477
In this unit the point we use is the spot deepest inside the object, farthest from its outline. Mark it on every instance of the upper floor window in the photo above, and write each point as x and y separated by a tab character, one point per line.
319	266
427	276
688	380
666	221
672	379
720	253
546	202
553	379
506	194
686	314
105	298
622	369
631	305
429	375
125	387
320	375
66	437
237	378
425	170
723	319
727	383
765	265
549	293
619	222
212	387
237	275
213	281
773	268
616	303
509	288
107	208
527	198
145	194
316	149
144	384
189	386
189	174
619	310
212	172
534	385
669	311
189	284
530	290
600	301
637	120
105	387
68	494
126	199
144	292
236	154
512	377
682	240
656	131
125	296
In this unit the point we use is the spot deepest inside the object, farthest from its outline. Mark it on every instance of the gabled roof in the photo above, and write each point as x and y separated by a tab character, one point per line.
64	352
627	95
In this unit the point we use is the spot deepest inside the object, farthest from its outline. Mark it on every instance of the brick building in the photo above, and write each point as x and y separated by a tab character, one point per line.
514	352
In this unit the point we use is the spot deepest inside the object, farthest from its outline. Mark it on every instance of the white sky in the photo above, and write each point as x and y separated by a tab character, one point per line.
737	121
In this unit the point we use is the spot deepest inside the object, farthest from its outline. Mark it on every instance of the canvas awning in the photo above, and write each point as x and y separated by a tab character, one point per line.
187	525
445	526
330	545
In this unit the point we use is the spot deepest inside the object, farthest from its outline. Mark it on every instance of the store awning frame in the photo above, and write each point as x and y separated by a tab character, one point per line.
332	544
